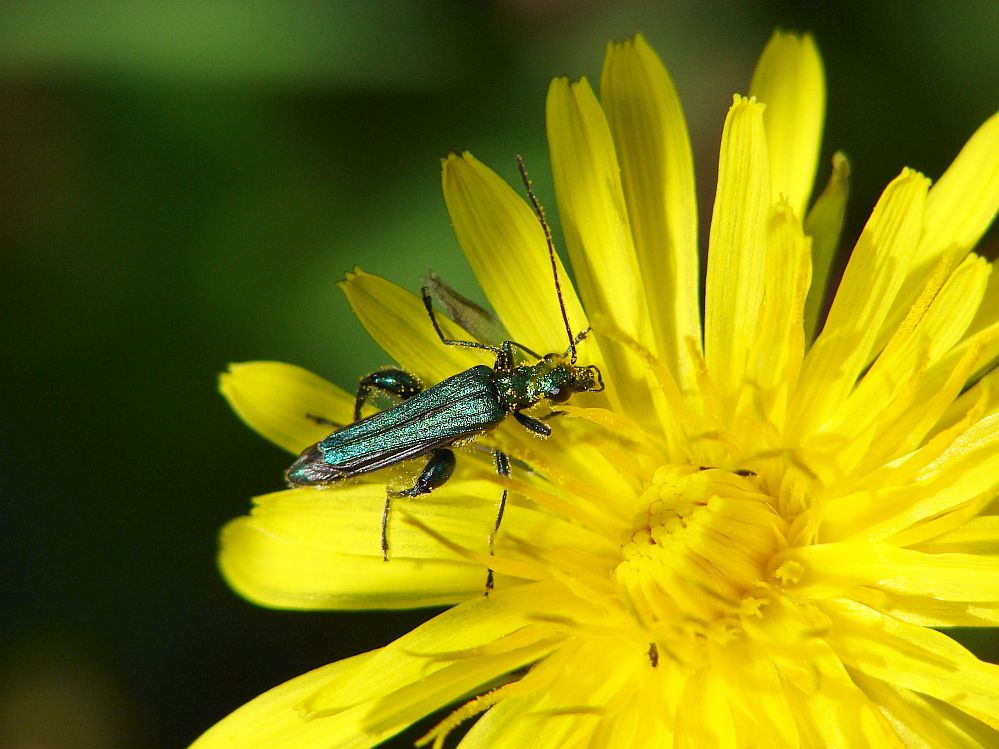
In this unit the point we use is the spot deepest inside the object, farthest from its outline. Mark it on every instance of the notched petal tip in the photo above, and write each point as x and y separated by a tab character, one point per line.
455	159
350	277
741	102
635	41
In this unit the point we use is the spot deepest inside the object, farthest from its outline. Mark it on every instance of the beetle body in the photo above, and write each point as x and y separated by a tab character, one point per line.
461	406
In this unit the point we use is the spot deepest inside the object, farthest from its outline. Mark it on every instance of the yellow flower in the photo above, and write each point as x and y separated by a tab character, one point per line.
750	538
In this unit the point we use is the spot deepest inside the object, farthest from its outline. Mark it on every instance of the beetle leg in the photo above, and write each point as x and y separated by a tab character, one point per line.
533	425
503	469
385	514
389	380
504	352
434	474
428	302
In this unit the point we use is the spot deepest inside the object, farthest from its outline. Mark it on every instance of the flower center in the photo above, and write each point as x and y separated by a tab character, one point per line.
698	548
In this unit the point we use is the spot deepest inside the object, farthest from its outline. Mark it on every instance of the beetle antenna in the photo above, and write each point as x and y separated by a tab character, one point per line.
540	213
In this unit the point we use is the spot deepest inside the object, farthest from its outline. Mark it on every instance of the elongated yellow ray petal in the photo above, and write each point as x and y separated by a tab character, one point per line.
933	328
790	81
923	721
977	536
775	357
959	208
737	247
865	296
967	470
830	570
929	612
964	201
913	657
481	626
504	244
597	229
592	206
657	175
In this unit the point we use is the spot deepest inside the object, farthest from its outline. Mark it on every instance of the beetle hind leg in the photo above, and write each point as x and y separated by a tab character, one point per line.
434	474
503	470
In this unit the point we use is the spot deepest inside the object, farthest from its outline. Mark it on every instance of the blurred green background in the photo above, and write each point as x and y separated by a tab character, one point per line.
184	183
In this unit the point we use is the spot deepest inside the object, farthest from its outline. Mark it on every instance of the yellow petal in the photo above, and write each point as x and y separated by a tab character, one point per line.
482	626
830	570
933	393
364	700
657	175
737	247
705	718
981	398
959	208
592	207
275	400
929	612
416	700
963	202
839	714
756	687
321	548
924	721
866	293
930	332
398	322
790	81
912	657
274	721
824	224
988	313
776	358
595	223
568	712
961	475
979	535
505	245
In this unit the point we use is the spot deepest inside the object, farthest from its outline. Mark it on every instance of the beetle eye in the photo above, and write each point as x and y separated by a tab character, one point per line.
559	395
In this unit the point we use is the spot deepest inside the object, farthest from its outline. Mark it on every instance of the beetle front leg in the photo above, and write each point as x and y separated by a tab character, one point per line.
393	381
434	474
534	425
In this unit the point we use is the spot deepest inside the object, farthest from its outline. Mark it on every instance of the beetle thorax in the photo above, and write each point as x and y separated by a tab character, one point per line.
550	378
